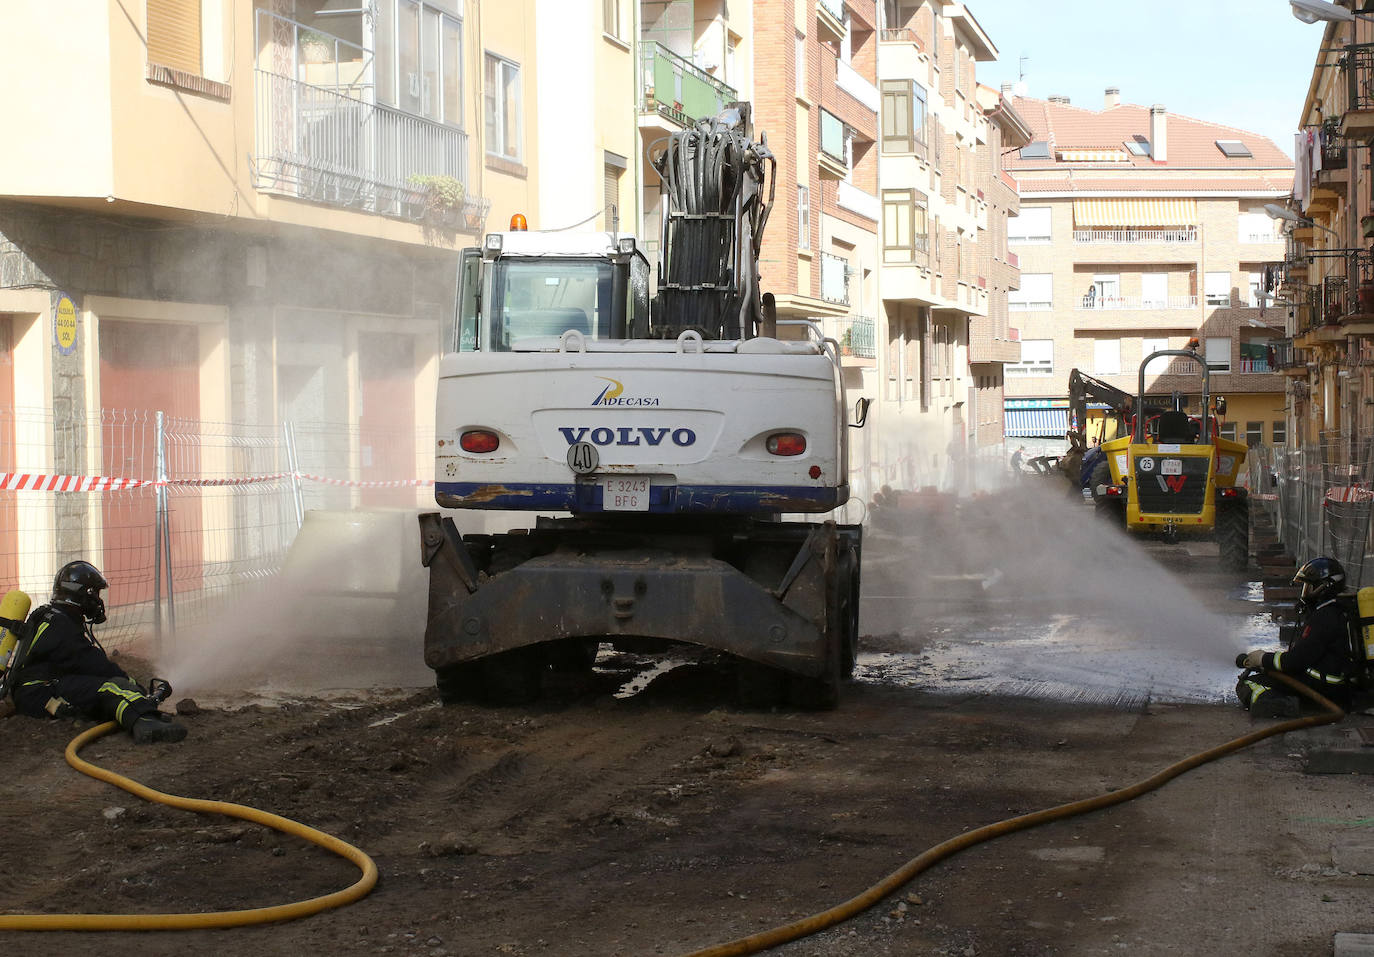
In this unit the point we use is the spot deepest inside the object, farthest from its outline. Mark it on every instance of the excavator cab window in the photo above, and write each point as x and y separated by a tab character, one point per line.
541	297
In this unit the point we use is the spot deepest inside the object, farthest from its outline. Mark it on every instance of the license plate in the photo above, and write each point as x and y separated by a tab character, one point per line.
1171	467
624	494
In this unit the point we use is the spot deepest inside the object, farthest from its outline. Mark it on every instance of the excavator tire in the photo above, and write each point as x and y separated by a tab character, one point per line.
458	683
1233	534
513	677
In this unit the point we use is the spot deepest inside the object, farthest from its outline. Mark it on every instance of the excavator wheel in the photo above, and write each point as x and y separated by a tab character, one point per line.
513	677
759	687
457	683
822	692
1233	534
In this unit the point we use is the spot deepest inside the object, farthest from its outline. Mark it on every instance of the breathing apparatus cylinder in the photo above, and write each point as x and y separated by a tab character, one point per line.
15	606
1364	600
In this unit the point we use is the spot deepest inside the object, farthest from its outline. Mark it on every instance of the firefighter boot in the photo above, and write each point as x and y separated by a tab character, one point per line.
157	727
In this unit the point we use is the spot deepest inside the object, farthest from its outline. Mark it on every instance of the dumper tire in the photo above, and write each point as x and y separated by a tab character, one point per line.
1233	534
1102	475
513	677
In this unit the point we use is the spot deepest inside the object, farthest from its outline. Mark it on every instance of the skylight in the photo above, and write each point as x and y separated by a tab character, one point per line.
1138	146
1233	148
1039	150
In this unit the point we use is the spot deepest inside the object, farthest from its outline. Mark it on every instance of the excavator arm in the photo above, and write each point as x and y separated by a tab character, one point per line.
1083	389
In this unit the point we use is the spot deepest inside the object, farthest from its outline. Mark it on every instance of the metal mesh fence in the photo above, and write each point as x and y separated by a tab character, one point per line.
181	515
1320	500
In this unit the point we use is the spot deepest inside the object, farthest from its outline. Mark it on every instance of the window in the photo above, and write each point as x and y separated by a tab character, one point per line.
174	34
614	165
1151	346
803	217
1256	228
1218	353
1032	226
1039	150
904	116
610	9
1107	356
1228	431
800	43
1154	290
1104	292
1233	149
1254	434
419	60
1037	358
898	226
1278	431
1254	286
1218	288
1036	292
502	101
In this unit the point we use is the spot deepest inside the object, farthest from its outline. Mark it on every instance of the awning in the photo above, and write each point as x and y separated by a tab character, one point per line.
1036	423
1134	212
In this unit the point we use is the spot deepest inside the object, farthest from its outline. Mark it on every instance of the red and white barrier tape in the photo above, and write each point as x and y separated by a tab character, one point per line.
31	482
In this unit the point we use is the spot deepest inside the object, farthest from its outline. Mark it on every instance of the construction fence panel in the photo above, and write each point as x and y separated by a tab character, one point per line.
181	515
1321	499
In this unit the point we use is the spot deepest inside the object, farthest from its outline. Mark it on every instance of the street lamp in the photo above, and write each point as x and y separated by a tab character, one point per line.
1310	11
1284	214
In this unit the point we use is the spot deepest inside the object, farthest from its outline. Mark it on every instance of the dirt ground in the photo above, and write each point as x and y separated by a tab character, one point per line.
668	821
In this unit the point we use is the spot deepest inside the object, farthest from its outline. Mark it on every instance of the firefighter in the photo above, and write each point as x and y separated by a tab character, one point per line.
63	672
1320	655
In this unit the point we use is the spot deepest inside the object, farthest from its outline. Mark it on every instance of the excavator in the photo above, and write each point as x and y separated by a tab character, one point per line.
1168	473
682	451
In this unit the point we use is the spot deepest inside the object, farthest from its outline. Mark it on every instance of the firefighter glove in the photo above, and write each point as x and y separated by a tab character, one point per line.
1255	660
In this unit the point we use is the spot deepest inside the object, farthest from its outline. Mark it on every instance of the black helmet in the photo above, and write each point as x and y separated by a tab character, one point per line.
78	584
1320	578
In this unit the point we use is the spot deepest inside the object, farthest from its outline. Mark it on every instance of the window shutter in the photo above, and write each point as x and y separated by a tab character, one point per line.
174	34
612	193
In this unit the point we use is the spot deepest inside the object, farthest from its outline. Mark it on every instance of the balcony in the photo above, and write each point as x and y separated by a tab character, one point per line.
1183	234
678	91
849	80
331	145
850	197
1105	303
830	20
901	35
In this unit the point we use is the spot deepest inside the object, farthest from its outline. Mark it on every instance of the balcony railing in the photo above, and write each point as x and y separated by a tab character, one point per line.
1254	365
836	7
857	337
850	197
853	83
1183	234
333	147
676	89
834	278
328	141
900	35
1100	303
1285	355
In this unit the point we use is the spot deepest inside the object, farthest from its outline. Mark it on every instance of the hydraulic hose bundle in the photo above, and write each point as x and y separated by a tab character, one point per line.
712	180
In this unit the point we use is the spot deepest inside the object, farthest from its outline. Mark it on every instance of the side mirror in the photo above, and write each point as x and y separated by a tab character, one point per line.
860	413
1221	405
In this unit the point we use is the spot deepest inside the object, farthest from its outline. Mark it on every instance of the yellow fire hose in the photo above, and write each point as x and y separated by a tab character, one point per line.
228	918
888	885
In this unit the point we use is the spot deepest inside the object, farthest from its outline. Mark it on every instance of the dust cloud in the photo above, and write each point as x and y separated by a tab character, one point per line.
346	611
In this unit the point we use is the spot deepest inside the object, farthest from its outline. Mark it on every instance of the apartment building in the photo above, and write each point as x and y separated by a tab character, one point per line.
1138	231
247	213
945	273
1327	273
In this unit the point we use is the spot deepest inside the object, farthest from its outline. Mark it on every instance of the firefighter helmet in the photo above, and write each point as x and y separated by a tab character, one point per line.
79	584
1320	578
